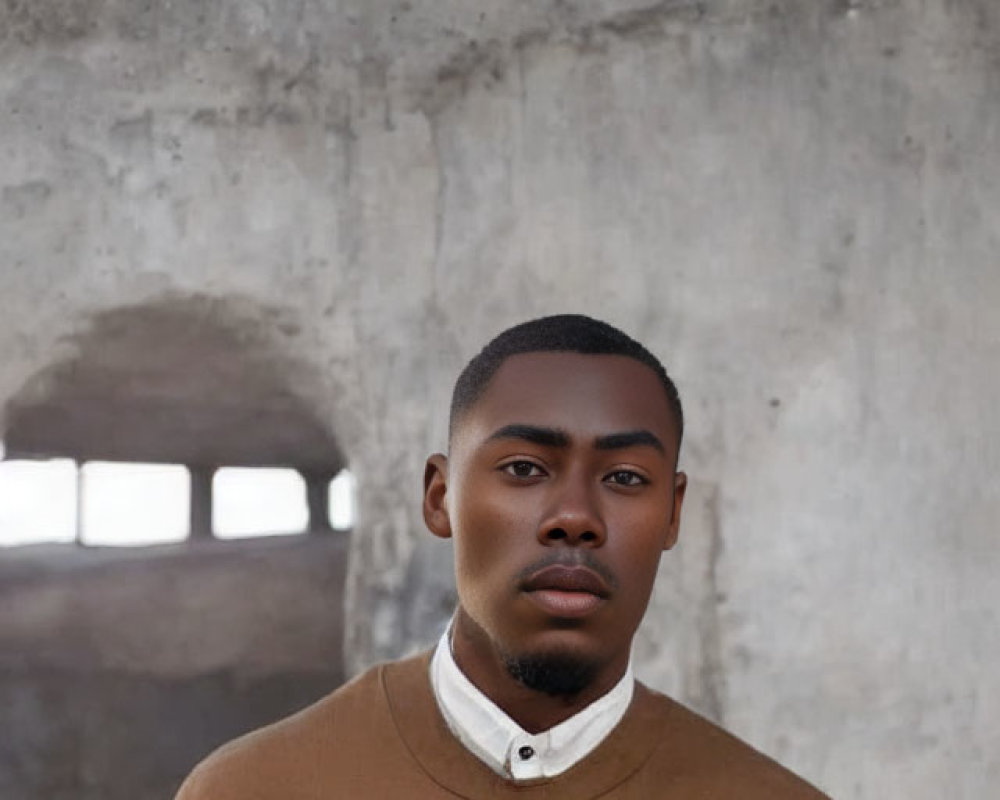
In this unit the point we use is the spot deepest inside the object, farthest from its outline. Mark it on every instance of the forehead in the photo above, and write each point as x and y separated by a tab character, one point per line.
585	395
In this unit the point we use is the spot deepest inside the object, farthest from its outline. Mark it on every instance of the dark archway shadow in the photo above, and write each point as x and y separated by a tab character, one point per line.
184	379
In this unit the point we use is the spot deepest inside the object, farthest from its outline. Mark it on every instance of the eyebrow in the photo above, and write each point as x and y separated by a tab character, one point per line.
638	438
553	437
547	437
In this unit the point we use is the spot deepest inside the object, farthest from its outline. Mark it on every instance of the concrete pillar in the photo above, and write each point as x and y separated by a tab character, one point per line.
318	499
79	502
201	502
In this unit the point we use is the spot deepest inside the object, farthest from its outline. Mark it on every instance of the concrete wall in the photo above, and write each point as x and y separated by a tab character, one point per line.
119	670
790	201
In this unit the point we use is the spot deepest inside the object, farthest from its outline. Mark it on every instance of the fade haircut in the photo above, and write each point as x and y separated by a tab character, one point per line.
562	333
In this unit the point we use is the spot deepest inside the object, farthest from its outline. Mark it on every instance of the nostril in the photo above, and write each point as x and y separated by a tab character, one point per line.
588	536
557	533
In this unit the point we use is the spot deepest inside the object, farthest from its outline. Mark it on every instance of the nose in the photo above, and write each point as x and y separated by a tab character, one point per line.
574	517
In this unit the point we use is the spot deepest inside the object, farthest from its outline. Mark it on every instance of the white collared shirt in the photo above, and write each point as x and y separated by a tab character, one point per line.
505	746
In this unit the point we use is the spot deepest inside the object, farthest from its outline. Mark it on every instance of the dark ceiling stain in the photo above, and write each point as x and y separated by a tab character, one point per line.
188	379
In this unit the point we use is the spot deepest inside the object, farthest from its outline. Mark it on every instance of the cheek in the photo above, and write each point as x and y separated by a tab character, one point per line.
641	536
490	532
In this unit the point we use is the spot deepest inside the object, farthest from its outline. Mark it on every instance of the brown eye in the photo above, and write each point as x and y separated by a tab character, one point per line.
523	469
626	477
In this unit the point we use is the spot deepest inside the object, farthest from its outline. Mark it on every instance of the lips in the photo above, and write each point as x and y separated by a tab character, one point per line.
560	578
566	592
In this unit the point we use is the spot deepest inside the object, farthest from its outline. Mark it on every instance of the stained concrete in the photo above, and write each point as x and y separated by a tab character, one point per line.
790	201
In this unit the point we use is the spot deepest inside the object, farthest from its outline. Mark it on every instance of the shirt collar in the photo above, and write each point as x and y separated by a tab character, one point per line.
493	737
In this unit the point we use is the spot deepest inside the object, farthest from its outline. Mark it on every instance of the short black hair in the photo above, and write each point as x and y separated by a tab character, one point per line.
562	333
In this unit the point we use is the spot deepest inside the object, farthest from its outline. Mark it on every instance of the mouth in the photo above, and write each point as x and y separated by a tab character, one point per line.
568	592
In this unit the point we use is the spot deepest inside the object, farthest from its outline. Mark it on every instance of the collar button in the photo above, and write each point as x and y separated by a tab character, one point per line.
526	752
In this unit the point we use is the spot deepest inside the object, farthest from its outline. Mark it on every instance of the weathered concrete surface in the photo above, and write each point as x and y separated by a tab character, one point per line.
791	201
120	670
680	642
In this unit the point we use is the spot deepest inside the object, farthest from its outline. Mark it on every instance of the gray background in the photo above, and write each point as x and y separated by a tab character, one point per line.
794	203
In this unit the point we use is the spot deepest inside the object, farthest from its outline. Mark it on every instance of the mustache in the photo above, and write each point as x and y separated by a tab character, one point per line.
571	558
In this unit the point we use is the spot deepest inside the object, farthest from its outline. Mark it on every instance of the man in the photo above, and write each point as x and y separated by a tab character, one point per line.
560	491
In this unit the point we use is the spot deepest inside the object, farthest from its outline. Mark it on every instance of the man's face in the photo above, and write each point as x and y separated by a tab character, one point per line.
561	493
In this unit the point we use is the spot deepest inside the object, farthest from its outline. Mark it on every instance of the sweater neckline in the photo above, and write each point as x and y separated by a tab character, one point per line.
407	689
496	739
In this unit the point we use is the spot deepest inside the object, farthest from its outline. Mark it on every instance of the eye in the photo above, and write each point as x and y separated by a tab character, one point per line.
626	477
523	469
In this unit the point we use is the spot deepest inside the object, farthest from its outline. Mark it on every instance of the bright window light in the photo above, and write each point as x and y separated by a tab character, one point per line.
252	501
134	504
341	501
37	501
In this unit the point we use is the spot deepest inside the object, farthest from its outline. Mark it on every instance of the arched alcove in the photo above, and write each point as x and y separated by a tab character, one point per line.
204	382
196	642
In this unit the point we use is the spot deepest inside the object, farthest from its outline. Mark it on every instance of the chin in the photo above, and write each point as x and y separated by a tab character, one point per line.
556	673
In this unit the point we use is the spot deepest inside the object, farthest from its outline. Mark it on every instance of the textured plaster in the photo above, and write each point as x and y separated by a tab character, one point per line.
790	201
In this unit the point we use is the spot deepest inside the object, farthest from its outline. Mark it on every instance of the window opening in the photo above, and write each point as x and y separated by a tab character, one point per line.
256	501
342	502
38	501
129	504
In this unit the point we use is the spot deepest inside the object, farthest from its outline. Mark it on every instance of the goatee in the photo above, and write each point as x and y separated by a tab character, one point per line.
556	674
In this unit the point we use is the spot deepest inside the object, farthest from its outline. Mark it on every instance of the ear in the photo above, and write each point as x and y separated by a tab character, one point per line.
435	488
680	487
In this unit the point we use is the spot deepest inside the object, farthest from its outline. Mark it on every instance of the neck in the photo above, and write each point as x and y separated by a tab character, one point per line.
483	664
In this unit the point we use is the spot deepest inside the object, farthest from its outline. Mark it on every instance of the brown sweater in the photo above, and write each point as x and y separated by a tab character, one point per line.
381	736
